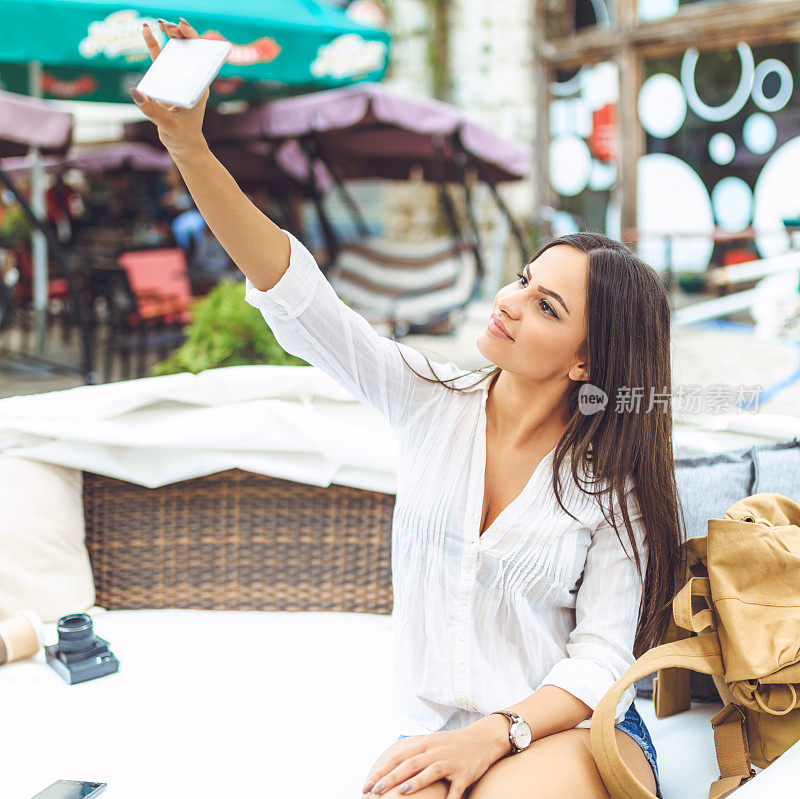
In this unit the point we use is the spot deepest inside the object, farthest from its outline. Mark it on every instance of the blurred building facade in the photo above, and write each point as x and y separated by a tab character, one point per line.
672	117
674	122
478	56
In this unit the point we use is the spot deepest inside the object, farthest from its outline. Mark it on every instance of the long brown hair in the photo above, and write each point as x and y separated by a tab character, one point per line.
628	344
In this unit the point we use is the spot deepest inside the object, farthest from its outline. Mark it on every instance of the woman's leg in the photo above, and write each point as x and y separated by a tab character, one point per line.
559	765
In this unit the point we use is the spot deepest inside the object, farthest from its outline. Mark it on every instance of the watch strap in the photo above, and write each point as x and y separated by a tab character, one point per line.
512	718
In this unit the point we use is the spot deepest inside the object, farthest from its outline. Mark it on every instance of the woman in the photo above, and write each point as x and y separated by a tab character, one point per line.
536	535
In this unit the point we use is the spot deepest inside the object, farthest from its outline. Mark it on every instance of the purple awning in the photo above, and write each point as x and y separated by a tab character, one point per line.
283	168
238	145
18	165
364	131
25	122
367	130
217	129
98	158
113	156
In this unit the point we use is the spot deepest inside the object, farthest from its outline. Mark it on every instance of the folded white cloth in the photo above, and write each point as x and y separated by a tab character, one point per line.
292	422
284	421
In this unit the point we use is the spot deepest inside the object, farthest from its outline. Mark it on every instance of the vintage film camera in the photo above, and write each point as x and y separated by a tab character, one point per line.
80	655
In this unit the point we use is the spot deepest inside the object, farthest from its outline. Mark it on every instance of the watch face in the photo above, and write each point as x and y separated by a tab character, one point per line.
521	733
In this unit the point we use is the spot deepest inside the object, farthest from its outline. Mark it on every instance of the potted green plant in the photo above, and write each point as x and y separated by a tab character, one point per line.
225	331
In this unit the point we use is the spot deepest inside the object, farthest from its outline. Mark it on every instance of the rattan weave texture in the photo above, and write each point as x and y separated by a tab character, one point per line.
238	541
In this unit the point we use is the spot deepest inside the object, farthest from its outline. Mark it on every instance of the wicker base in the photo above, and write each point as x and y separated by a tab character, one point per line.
239	541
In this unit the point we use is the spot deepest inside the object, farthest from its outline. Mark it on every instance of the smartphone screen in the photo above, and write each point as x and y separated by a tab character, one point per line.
71	789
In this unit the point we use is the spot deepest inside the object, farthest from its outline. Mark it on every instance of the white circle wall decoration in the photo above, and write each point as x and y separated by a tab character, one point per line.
571	115
776	198
672	199
601	13
603	176
601	85
570	164
732	200
657	9
662	105
759	133
771	66
563	223
721	148
569	87
614	220
738	99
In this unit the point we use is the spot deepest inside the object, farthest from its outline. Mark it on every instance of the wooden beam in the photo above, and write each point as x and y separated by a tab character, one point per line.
541	80
707	26
568	16
595	44
724	40
630	134
735	20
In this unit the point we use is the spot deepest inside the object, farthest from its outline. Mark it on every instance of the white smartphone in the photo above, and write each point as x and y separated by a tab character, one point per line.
183	70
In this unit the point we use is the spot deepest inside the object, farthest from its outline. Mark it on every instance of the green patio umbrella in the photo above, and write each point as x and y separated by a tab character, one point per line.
93	49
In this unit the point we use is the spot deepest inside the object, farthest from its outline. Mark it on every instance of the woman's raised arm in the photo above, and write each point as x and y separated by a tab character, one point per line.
284	280
256	244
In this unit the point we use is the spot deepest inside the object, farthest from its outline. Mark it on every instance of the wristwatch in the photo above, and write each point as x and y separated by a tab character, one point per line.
519	733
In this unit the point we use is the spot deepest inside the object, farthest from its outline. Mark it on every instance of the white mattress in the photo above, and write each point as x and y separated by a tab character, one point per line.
245	704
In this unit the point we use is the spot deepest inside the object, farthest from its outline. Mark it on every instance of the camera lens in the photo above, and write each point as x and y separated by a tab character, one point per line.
75	632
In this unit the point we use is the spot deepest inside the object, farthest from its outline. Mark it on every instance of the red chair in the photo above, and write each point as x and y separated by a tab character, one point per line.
159	280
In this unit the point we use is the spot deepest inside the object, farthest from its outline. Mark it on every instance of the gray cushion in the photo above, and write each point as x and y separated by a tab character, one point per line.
709	484
777	469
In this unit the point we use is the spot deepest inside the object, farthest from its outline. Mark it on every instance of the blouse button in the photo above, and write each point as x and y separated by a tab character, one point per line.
461	636
463	606
462	666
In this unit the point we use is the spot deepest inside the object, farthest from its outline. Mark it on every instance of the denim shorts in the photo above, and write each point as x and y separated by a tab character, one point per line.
635	727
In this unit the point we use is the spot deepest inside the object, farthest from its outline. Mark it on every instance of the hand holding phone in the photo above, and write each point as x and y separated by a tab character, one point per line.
180	129
183	70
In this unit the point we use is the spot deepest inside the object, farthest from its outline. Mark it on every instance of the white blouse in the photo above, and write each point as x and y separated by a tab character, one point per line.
480	621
